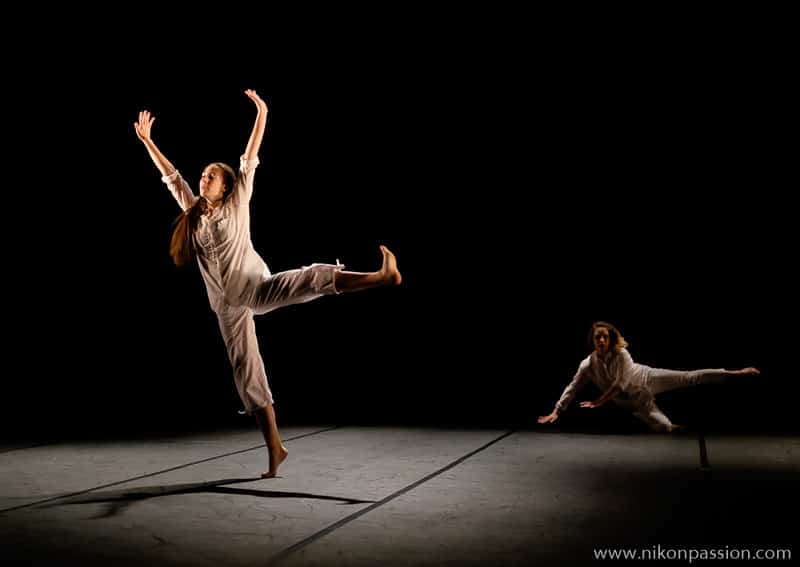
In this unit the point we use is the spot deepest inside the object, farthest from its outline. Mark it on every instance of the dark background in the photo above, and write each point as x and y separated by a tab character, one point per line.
531	174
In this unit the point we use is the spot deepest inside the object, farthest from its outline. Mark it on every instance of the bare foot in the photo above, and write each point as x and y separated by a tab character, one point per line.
675	428
747	371
389	270
274	462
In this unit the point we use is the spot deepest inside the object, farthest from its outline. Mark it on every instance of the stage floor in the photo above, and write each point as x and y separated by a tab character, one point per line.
394	496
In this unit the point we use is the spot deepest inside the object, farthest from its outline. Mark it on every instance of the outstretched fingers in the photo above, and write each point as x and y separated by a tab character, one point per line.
144	125
547	418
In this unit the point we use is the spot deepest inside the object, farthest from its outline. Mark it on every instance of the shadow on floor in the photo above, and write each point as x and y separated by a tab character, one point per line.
119	500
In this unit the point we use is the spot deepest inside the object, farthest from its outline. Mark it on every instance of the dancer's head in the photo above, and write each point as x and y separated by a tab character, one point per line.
216	182
216	185
604	337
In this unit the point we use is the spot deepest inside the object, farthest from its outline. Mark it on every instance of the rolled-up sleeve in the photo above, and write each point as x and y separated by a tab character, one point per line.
244	183
572	388
179	189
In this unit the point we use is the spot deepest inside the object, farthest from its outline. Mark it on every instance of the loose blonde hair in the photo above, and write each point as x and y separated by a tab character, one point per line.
615	339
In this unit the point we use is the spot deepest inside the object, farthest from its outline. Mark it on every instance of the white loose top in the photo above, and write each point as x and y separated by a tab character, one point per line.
615	369
231	268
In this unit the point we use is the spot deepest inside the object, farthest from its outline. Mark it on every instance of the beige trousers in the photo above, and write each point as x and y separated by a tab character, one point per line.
239	331
661	380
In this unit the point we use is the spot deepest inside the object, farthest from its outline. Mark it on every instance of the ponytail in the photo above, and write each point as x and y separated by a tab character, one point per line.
181	246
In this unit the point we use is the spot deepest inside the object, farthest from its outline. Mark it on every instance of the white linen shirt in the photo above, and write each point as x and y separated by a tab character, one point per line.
230	267
616	369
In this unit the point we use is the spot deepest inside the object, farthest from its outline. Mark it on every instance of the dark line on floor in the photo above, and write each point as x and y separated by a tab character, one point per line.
336	525
701	441
117	483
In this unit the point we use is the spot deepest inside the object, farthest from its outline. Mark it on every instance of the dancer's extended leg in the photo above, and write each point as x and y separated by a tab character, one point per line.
662	380
356	281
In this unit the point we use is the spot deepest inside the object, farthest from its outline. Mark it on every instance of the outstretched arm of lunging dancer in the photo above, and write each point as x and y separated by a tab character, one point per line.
624	377
578	381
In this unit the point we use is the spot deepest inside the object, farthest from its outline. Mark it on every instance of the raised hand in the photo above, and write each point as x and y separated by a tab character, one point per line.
142	128
259	125
144	125
260	104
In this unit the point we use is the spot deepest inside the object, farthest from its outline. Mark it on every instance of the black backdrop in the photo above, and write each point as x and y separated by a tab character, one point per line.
530	180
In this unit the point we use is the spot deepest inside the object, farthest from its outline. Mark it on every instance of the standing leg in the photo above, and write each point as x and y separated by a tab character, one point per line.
652	415
239	333
647	410
277	452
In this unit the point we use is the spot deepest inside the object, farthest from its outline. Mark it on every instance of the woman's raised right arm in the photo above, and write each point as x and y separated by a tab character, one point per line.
175	183
143	127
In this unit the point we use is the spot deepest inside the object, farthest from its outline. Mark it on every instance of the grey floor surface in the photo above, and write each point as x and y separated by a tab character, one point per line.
394	496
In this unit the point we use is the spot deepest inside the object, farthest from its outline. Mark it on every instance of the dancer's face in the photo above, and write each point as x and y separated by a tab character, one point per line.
211	183
601	340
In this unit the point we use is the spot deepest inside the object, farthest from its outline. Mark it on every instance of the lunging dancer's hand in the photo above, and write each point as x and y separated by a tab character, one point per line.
548	418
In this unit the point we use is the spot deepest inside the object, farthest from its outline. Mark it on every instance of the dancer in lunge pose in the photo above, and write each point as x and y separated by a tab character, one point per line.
628	384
